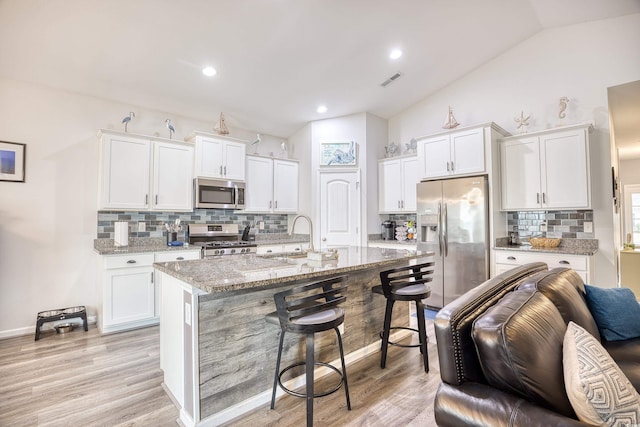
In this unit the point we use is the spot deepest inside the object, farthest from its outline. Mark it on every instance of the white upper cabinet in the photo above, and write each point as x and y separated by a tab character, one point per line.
454	153
546	170
271	185
397	179
219	156
144	173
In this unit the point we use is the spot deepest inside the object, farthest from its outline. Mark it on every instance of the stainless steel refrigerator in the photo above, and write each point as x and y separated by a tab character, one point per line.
453	222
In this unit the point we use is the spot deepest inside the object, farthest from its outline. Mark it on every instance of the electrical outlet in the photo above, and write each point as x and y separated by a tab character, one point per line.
588	227
261	225
142	226
543	227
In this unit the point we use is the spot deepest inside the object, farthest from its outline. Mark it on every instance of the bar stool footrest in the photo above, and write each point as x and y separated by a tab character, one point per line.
403	345
322	394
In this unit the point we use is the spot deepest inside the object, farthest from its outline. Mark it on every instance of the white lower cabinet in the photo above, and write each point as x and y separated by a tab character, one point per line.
282	248
129	295
506	260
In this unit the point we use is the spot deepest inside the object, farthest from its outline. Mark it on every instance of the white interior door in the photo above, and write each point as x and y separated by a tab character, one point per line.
340	209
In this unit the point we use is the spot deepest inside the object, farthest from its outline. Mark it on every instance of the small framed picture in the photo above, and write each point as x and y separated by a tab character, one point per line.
338	154
12	161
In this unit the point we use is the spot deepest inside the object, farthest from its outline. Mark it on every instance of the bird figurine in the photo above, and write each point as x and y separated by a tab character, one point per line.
523	121
172	130
255	143
563	106
127	119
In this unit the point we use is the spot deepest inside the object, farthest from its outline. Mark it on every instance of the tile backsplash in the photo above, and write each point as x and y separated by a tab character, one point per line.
154	221
562	224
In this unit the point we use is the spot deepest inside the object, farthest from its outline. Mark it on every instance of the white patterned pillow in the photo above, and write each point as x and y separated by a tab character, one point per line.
599	392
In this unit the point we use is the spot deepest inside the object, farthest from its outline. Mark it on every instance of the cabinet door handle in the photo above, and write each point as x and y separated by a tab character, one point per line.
270	204
180	258
398	204
452	169
564	262
296	249
402	204
511	258
544	198
131	261
225	171
152	277
537	197
276	205
269	251
156	199
220	170
448	170
146	199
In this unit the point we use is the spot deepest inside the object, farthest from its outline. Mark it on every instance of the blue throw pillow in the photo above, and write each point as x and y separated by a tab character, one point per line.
616	312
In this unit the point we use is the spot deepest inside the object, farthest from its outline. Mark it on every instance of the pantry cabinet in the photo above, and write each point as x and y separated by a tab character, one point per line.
144	173
546	170
219	156
397	179
454	153
271	185
129	295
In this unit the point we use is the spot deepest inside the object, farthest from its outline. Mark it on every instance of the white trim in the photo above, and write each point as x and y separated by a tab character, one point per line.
627	190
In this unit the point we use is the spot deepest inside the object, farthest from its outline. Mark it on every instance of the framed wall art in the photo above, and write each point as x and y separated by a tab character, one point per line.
338	153
12	161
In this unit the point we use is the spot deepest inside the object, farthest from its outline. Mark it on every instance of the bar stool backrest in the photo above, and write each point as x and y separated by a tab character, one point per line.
311	299
398	278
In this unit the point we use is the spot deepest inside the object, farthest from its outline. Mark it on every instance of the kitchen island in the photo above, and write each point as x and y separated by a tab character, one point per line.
216	350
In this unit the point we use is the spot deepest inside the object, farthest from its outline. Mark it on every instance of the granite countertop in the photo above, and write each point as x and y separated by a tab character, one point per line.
159	244
245	272
378	239
567	247
138	245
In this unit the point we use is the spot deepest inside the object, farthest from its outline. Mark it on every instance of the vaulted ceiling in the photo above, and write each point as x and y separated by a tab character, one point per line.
276	60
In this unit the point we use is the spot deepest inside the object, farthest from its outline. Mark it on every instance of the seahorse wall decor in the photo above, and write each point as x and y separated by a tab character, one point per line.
563	106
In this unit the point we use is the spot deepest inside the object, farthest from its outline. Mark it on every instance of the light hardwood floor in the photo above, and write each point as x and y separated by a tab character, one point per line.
84	379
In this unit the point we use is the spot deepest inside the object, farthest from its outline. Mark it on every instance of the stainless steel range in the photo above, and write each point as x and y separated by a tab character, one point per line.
219	239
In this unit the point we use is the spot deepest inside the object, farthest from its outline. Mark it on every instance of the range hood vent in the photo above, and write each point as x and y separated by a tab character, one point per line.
390	79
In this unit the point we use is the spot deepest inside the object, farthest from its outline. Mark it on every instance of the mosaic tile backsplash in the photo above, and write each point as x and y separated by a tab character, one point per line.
154	221
559	224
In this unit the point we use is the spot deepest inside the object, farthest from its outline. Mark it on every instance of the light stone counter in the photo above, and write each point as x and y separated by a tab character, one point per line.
245	272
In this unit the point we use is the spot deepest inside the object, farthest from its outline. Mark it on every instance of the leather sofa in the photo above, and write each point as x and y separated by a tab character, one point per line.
532	306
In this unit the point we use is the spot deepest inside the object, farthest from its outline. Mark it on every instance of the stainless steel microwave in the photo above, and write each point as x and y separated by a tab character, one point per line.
218	194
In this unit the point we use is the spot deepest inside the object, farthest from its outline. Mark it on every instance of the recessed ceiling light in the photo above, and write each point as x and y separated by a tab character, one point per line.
395	54
322	109
209	71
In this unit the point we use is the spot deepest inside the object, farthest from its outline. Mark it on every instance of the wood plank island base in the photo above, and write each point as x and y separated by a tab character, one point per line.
216	350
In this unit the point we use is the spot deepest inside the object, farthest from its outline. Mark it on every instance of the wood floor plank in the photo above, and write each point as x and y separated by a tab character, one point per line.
82	378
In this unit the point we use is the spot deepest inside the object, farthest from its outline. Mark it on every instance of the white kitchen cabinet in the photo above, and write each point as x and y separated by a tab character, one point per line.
546	170
144	173
281	248
397	179
128	293
460	152
129	296
271	185
506	260
219	156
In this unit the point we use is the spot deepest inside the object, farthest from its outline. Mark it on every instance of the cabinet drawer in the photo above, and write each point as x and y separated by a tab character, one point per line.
176	256
576	262
128	261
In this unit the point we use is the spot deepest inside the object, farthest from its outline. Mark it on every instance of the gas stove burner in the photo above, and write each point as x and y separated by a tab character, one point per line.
219	239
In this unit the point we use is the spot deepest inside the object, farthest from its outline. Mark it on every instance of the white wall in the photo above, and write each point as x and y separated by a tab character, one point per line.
579	62
48	223
629	172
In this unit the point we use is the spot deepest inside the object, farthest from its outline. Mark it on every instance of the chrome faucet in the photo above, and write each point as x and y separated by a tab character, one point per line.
293	224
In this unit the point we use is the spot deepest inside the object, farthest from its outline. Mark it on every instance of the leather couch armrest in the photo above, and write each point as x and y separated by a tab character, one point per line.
479	405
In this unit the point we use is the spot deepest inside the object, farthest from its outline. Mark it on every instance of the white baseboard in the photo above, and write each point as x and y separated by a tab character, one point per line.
31	330
263	398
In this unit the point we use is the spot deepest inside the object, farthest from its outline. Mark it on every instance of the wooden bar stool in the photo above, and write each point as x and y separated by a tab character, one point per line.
308	309
405	284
